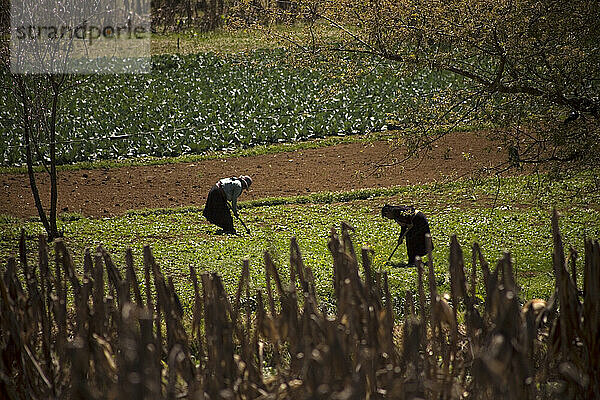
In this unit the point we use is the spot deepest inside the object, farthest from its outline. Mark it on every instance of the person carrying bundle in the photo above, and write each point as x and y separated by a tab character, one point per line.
217	209
414	227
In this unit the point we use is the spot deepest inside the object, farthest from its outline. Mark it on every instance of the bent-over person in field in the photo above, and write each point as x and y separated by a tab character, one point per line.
217	209
414	227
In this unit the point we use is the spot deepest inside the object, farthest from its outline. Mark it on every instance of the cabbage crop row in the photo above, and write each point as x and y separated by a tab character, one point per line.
195	103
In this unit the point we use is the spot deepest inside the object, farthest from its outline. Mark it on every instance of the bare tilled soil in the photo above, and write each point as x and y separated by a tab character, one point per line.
106	192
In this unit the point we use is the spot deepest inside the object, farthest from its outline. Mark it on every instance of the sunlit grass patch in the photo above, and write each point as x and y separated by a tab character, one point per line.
226	41
181	237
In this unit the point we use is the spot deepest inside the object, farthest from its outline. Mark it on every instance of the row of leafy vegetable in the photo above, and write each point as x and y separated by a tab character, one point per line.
201	102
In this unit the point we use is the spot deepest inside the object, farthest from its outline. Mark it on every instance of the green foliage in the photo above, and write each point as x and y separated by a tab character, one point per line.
519	222
527	65
196	103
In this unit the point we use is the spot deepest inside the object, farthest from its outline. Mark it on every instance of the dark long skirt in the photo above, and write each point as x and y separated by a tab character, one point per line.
216	210
416	243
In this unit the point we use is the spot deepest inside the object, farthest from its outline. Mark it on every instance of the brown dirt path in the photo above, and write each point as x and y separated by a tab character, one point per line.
105	192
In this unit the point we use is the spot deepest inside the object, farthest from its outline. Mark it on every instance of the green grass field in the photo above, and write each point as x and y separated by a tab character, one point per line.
229	41
519	222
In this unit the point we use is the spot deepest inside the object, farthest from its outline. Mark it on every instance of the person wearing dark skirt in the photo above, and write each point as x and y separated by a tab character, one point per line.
217	210
414	227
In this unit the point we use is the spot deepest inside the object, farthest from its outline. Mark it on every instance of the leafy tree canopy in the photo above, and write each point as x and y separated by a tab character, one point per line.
529	68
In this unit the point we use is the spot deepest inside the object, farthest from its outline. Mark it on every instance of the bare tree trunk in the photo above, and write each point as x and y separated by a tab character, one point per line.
188	9
212	15
48	223
27	135
53	181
